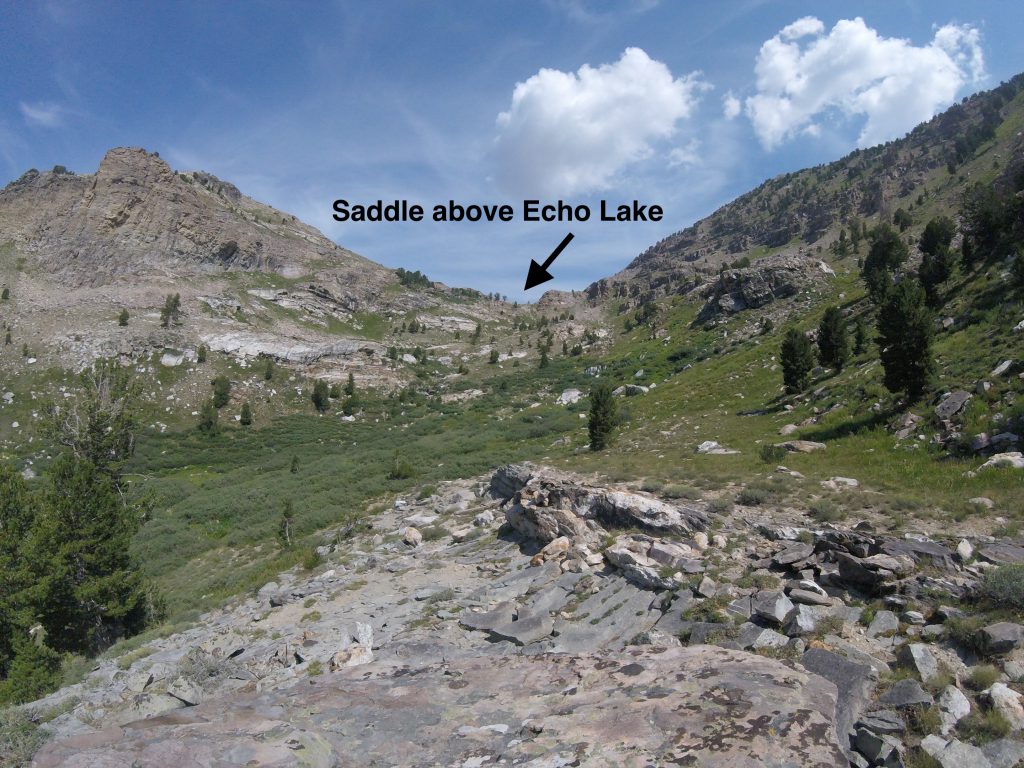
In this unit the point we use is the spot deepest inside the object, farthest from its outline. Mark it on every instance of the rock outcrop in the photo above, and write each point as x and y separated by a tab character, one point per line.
647	706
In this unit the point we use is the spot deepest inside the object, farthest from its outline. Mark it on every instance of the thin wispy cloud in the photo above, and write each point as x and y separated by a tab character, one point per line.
42	113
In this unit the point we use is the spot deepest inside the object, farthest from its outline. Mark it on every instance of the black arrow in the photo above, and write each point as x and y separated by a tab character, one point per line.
539	272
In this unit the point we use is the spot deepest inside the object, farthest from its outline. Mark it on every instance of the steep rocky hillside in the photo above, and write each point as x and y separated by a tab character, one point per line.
804	212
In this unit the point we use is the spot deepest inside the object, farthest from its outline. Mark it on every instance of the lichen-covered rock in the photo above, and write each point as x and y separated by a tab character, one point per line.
649	706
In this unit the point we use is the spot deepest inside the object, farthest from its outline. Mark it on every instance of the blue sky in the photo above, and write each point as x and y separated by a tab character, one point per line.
682	104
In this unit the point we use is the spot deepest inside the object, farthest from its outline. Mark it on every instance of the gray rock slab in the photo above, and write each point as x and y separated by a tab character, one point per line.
524	631
906	693
807	597
1002	637
954	753
853	681
485	620
773	607
883	721
647	706
919	658
884	622
1004	753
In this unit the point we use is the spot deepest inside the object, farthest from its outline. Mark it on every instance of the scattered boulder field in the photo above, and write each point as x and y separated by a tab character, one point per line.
536	617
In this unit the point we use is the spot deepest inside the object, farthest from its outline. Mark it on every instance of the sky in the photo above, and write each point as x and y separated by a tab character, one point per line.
680	104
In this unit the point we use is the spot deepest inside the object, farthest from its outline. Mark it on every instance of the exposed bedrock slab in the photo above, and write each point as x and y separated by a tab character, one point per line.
701	705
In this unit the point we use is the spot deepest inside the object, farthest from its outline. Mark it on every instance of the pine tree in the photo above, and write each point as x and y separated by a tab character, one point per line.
885	257
201	354
6	295
268	371
209	418
544	360
294	465
88	589
603	416
7	338
797	358
494	357
938	261
321	396
171	310
350	385
221	391
860	337
938	234
905	329
34	672
335	391
122	319
833	341
246	416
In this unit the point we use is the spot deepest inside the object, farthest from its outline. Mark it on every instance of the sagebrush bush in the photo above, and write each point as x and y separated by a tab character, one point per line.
772	454
1004	587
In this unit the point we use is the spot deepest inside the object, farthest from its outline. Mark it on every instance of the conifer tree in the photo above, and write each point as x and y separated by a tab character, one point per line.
221	391
350	385
905	330
885	257
797	359
833	341
245	418
209	418
603	416
122	319
860	337
321	396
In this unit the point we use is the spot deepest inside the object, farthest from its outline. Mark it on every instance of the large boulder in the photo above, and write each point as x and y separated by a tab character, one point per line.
508	479
1000	638
699	705
550	504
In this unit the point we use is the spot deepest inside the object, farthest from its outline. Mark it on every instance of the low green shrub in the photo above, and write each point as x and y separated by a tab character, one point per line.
1004	587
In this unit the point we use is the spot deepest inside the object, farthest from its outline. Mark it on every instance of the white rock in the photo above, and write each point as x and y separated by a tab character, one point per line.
1006	702
953	707
964	550
835	483
569	396
1002	368
1011	459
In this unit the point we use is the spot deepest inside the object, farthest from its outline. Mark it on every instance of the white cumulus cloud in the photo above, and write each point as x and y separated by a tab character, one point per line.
42	113
804	73
573	132
731	106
